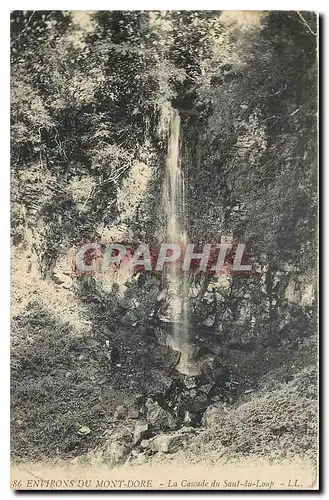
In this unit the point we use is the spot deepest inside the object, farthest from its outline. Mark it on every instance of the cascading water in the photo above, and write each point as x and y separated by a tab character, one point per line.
175	215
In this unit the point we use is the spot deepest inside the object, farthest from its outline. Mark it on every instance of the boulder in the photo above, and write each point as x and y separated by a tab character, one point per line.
199	403
205	389
162	337
140	430
115	453
159	418
145	443
63	280
157	382
185	430
140	459
162	295
138	399
210	321
190	382
187	418
133	412
221	375
213	414
120	413
166	443
123	435
166	357
118	445
84	430
165	318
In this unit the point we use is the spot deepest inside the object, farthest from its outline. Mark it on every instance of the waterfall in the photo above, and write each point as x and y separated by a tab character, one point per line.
175	216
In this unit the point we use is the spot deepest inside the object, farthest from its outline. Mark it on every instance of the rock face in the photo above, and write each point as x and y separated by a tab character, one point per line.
158	418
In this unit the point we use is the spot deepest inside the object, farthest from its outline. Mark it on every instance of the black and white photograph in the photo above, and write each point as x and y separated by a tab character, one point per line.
164	250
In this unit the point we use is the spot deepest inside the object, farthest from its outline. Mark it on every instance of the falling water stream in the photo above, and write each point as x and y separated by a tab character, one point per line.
175	215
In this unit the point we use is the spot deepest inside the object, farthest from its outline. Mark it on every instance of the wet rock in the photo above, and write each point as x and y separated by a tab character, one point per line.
140	430
157	417
166	443
190	382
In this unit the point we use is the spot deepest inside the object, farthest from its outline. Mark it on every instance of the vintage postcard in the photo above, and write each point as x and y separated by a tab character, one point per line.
164	250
